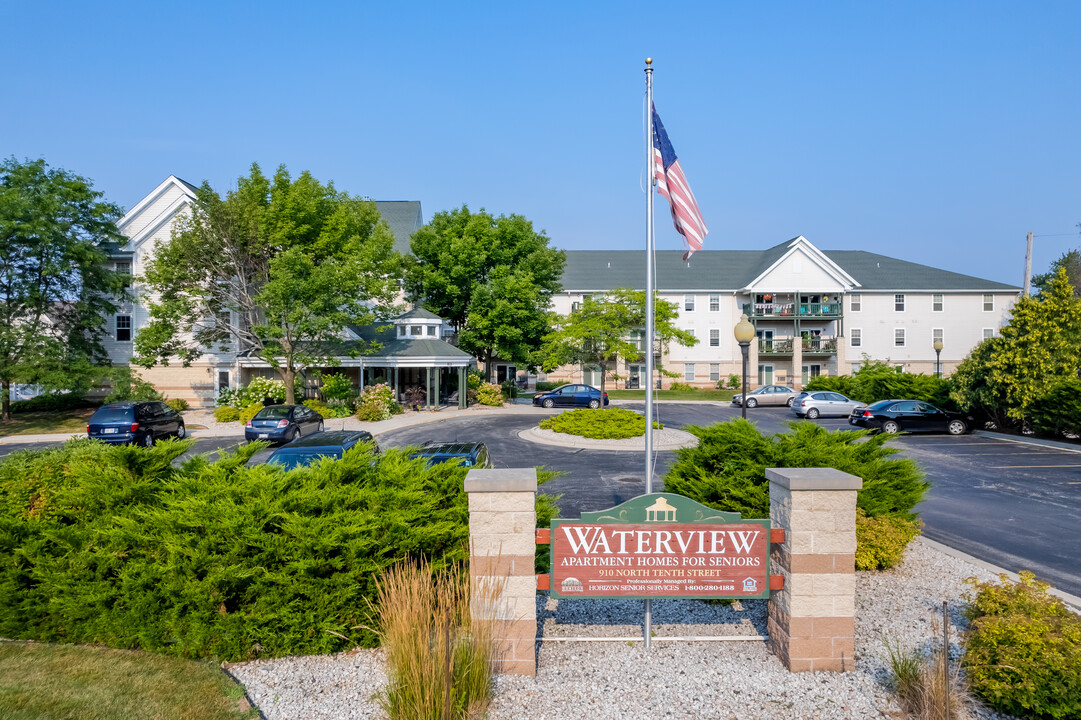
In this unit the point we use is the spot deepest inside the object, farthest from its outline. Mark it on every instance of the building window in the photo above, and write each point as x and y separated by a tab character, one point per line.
936	302
988	302
936	334
855	337
855	303
899	302
401	331
714	303
688	303
223	380
638	337
416	329
431	331
690	331
123	267
123	328
856	367
714	337
899	337
714	372
688	372
988	333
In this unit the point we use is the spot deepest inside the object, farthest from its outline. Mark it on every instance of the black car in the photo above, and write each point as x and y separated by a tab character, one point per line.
571	396
135	422
891	416
471	454
332	444
283	423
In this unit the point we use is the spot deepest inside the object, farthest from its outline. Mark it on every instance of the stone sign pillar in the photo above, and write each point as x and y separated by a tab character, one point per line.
503	543
811	620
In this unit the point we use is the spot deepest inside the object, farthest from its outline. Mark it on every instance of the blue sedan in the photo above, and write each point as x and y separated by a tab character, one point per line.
571	396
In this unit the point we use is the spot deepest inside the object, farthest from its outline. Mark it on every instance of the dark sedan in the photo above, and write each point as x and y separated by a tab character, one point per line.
471	454
135	422
283	423
571	396
891	416
308	450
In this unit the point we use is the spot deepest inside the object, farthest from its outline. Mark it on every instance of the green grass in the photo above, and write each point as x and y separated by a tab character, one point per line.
39	680
38	423
680	395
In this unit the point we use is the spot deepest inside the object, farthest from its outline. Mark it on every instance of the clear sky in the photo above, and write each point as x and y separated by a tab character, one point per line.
936	132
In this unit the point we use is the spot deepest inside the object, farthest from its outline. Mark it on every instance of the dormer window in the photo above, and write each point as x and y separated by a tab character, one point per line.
416	330
401	331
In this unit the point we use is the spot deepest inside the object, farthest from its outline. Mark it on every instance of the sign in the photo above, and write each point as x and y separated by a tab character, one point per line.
660	545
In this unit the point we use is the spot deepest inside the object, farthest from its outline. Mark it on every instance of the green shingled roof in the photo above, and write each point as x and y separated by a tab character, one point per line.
731	270
404	218
419	313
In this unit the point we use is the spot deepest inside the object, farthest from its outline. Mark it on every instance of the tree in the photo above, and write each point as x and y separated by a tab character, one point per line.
492	278
1071	263
1038	348
278	268
56	285
599	331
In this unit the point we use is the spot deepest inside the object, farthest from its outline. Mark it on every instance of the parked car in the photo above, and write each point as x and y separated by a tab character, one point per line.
283	423
571	396
135	422
332	444
471	454
892	416
767	395
824	403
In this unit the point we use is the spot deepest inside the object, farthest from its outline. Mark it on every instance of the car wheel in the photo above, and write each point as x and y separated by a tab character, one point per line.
320	428
812	413
788	402
181	431
890	427
751	402
594	404
148	440
549	403
956	427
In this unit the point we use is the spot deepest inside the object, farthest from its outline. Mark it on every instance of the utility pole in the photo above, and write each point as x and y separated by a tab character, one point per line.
1028	267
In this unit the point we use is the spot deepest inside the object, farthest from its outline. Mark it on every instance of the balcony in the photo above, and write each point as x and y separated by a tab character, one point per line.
819	346
770	346
758	311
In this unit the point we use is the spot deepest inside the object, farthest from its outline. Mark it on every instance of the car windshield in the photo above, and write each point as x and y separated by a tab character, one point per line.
291	460
274	412
114	414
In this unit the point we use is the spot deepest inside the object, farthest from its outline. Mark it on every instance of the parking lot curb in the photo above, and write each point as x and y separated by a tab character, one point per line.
669	439
1069	447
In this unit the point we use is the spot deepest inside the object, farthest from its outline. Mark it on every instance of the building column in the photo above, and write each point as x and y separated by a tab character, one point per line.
503	544
797	363
463	388
752	366
812	618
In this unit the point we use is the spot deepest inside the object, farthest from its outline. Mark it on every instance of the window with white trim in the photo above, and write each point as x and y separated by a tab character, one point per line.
936	302
688	372
899	302
988	333
988	302
936	334
688	302
714	337
690	331
855	337
714	303
123	328
855	302
899	337
714	372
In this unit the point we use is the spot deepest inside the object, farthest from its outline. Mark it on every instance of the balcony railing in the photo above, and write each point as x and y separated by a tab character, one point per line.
819	346
809	345
791	310
775	347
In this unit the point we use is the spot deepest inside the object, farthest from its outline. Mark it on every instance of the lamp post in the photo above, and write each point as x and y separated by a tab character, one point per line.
938	358
744	333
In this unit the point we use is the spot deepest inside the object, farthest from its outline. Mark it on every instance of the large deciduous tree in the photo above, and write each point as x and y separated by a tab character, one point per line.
599	332
492	278
277	268
56	284
1071	263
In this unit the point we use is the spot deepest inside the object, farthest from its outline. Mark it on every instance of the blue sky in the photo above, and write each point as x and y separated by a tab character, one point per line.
936	132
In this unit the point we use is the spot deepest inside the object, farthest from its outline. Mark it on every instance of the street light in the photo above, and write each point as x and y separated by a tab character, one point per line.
744	333
938	358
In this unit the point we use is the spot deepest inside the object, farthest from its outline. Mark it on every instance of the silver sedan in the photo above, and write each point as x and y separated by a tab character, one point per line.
824	403
768	395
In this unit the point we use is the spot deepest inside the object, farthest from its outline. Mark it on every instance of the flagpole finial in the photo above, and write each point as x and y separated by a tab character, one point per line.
649	61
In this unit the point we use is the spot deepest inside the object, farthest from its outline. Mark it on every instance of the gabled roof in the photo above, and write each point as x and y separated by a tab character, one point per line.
186	188
419	313
404	218
802	246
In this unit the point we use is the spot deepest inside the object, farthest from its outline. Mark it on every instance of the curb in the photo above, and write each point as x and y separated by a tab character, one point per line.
676	439
1069	447
1072	601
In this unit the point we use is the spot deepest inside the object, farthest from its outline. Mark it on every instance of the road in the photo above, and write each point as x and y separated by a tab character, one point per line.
1014	504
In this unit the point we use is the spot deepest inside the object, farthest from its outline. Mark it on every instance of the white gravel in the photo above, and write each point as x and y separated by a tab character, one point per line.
701	680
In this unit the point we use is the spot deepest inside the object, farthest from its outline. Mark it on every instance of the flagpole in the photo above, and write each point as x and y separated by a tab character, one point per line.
647	629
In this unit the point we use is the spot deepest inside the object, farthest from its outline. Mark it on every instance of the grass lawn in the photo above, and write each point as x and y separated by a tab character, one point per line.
40	680
680	395
34	423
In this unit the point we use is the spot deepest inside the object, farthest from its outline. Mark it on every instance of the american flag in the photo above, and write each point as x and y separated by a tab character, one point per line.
672	184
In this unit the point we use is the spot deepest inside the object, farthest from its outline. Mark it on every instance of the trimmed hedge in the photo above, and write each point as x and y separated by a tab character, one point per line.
614	423
876	381
115	546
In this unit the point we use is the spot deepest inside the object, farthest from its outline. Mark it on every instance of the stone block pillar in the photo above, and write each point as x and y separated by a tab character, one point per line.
811	620
502	538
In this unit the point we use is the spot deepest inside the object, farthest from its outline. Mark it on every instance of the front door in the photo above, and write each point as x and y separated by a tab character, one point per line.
811	371
765	375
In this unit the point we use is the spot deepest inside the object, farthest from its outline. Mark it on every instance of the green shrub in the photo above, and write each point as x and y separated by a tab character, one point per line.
490	394
1059	411
376	403
254	392
608	424
52	402
877	380
727	468
226	413
881	541
546	386
681	386
178	404
128	385
337	387
249	412
331	410
734	382
474	379
509	388
1023	649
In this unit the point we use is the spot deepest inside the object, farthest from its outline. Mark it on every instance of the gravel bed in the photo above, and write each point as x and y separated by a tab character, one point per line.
619	679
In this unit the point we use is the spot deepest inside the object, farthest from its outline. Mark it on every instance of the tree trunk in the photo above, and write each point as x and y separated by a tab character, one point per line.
5	414
288	375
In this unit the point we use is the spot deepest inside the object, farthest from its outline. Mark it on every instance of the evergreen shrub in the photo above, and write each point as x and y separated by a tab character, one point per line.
113	545
877	380
1023	649
543	386
613	423
1059	411
727	470
490	394
881	541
